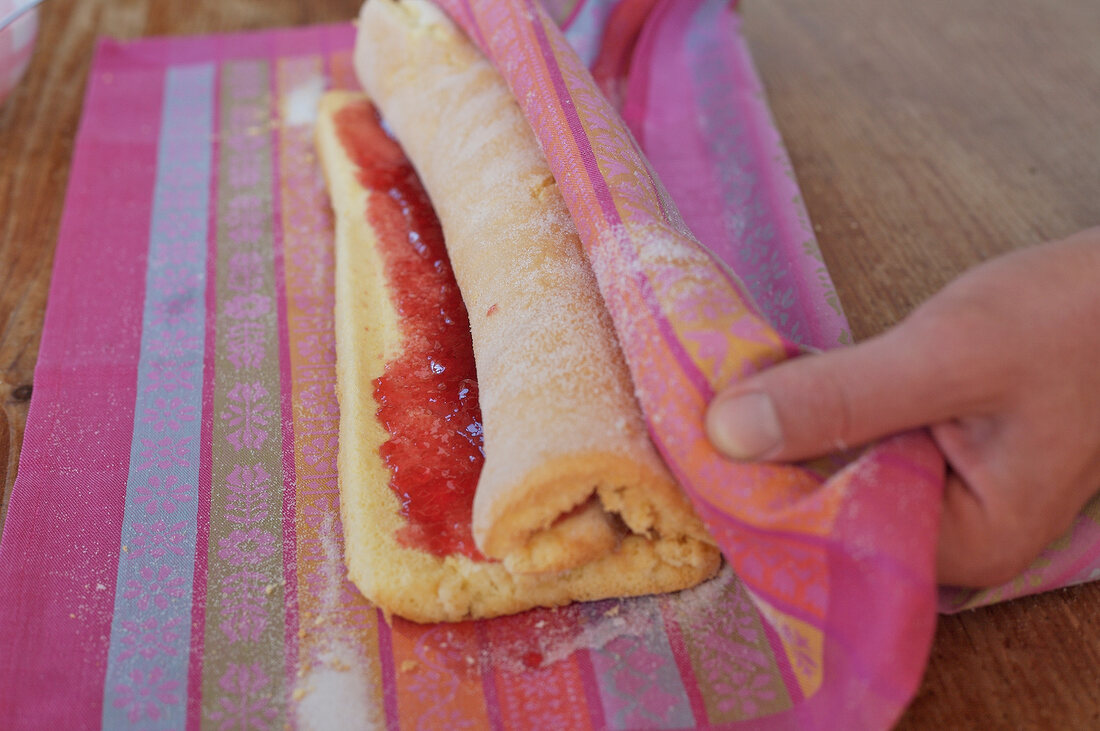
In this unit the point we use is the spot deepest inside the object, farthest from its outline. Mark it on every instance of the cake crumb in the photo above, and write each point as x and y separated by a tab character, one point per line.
408	666
299	694
614	611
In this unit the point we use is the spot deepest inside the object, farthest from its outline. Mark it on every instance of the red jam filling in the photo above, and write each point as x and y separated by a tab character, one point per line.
428	396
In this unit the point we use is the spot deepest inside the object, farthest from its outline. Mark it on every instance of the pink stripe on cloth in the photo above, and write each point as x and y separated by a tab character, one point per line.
206	441
591	685
60	545
389	674
683	662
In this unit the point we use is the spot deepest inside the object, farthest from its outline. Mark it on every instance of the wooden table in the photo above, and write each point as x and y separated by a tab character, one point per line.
927	136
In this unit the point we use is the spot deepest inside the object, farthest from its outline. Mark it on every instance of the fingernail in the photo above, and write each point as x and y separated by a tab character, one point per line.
745	427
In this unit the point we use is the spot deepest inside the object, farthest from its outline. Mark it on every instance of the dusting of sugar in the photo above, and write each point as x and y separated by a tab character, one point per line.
633	619
334	694
334	682
551	638
300	104
698	608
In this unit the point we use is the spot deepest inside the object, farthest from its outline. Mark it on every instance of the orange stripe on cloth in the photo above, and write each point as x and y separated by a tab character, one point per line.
337	627
438	667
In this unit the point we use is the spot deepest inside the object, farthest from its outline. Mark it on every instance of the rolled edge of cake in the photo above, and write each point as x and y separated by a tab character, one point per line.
406	581
570	471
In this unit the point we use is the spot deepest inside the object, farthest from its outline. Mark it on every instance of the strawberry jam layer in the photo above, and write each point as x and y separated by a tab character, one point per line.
428	396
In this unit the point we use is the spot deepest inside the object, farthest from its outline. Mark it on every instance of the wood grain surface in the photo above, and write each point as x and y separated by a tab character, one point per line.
927	136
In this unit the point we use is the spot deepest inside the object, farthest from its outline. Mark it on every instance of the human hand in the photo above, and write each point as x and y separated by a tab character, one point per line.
1003	367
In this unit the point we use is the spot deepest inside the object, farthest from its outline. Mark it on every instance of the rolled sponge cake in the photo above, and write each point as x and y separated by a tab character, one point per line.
573	502
569	466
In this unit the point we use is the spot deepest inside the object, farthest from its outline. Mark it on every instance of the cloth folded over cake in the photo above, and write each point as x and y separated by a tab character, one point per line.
573	501
846	586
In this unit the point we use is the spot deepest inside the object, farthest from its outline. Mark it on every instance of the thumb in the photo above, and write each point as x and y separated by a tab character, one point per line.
817	404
